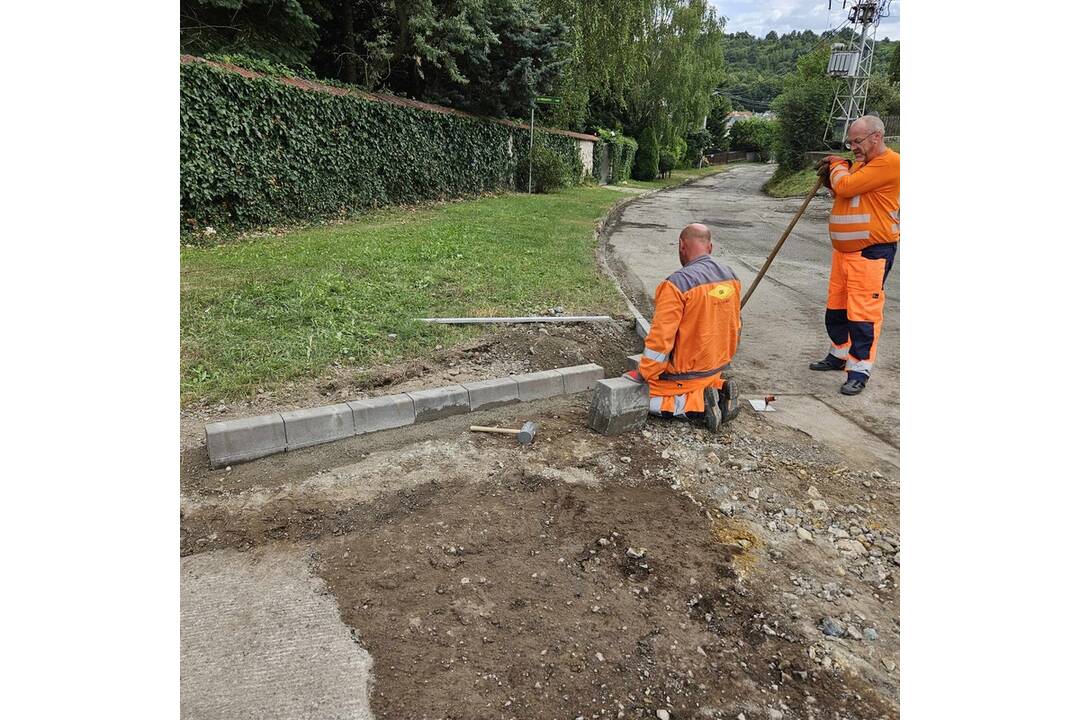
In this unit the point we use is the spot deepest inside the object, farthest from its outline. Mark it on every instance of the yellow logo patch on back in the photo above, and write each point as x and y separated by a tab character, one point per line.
722	292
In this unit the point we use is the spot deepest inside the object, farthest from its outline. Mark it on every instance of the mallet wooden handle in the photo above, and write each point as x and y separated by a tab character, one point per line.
503	431
791	225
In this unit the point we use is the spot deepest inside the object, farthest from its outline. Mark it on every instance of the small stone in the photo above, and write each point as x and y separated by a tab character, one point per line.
663	715
889	664
866	483
754	494
804	534
850	546
876	475
813	492
228	468
414	621
727	508
603	542
635	552
831	627
775	714
869	634
625	458
464	581
819	506
802	473
595	608
853	632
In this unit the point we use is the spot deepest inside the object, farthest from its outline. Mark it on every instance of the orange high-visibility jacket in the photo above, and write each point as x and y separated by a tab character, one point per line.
695	328
866	210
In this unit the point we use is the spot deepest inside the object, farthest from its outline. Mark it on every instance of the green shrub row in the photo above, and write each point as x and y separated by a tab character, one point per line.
257	152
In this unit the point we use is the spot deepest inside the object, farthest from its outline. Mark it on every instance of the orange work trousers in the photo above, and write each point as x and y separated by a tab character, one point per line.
691	401
855	306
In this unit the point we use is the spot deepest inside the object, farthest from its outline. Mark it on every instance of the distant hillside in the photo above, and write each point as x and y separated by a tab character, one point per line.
756	66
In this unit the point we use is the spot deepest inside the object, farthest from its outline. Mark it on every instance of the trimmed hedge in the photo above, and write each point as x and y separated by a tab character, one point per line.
256	152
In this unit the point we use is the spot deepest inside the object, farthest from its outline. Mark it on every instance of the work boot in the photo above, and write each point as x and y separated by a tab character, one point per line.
831	362
853	386
714	410
729	401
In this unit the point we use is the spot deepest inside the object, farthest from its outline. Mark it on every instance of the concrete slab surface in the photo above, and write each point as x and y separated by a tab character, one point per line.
261	639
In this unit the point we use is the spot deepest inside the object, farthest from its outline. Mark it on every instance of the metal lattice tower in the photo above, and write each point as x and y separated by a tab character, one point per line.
853	63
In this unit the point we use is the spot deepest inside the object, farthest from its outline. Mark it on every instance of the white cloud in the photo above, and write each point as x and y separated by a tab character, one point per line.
758	17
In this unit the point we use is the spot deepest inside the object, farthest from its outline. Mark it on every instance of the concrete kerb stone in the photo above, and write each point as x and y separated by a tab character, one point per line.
440	402
251	438
313	426
580	378
539	385
633	362
619	405
382	413
486	394
232	441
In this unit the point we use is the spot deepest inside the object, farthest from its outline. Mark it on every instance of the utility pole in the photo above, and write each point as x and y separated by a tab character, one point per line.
853	63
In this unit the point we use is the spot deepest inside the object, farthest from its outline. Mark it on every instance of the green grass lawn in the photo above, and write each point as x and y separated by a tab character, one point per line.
259	311
677	176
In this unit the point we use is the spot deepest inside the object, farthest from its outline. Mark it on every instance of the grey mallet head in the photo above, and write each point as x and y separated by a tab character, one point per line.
527	432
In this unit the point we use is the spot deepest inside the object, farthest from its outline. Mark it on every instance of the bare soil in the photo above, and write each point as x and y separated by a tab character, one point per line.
485	578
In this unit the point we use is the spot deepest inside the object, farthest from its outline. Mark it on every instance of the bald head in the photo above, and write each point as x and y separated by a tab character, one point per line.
695	240
867	137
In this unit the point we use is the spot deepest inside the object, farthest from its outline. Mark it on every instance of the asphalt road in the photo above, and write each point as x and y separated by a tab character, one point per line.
783	323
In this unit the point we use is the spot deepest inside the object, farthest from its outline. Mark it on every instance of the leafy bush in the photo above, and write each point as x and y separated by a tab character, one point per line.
624	152
802	111
257	152
667	163
696	143
647	162
753	135
549	171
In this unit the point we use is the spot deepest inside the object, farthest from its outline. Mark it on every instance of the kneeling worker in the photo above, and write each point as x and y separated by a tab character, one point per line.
695	330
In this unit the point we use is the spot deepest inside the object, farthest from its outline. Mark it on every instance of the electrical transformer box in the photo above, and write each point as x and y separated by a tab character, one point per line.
843	63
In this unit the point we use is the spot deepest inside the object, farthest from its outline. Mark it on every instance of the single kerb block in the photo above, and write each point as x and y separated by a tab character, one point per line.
580	378
314	426
619	405
232	441
539	385
485	394
382	413
440	402
632	362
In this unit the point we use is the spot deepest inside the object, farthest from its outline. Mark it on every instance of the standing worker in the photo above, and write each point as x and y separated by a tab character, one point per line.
694	334
864	228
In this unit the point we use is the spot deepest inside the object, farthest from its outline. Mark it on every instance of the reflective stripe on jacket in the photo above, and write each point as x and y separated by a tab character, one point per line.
695	328
866	210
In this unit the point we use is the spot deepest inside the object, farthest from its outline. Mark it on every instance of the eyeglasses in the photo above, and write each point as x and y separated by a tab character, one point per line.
860	141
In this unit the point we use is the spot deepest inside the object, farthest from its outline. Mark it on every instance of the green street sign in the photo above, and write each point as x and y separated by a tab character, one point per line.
548	101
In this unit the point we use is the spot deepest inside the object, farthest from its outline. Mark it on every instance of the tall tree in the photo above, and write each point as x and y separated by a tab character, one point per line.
282	31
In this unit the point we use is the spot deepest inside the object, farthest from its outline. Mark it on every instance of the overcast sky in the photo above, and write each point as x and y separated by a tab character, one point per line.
758	17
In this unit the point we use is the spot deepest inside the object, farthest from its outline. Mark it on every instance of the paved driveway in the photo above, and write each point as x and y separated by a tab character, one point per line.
783	324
